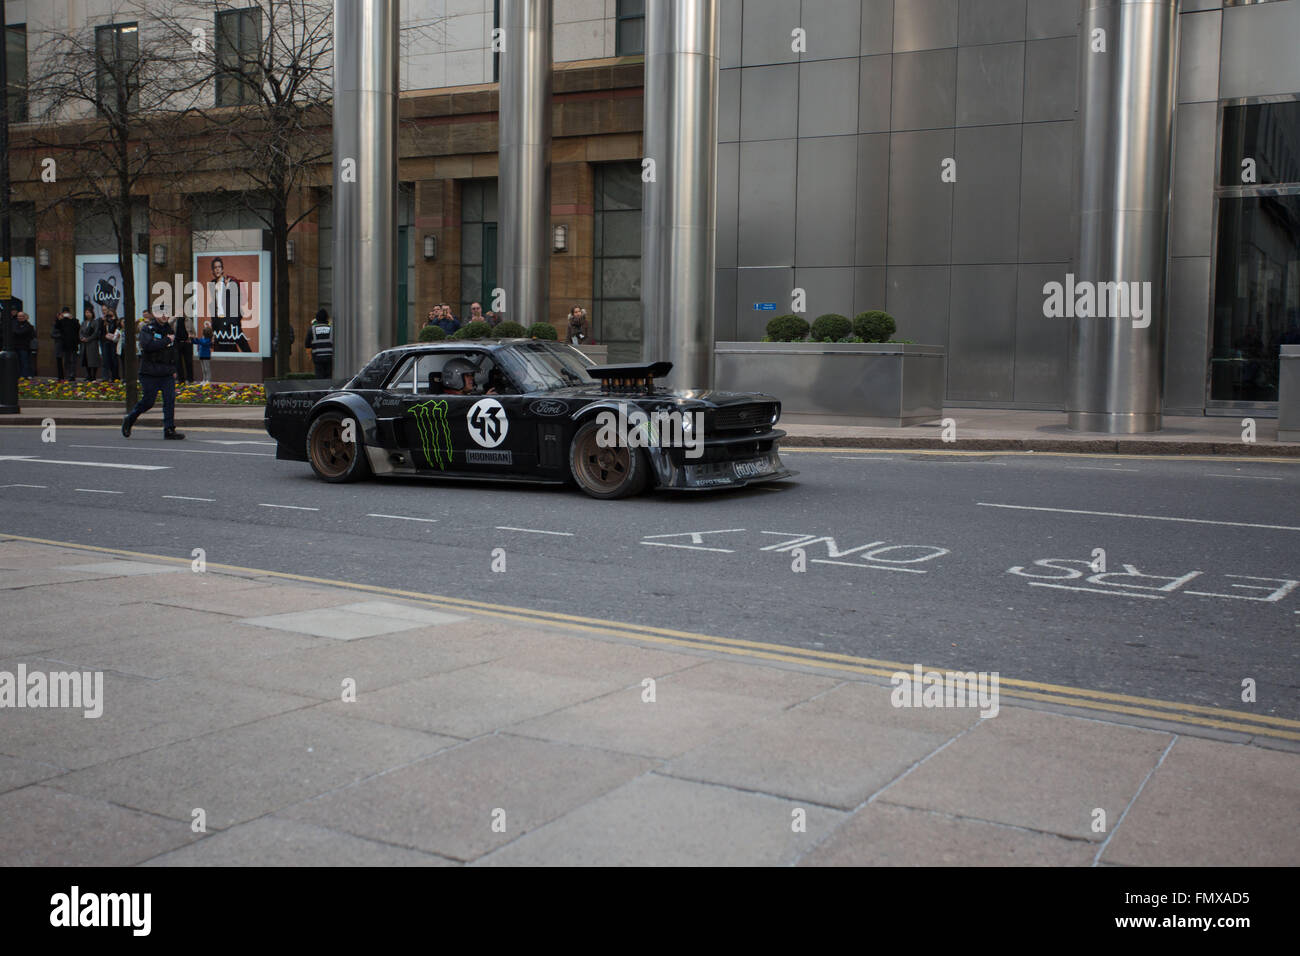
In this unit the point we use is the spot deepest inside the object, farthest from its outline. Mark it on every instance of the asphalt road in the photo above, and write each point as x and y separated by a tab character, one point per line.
909	557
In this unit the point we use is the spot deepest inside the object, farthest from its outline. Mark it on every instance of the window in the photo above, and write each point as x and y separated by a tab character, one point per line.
117	67
616	257
629	38
16	64
1257	272
239	56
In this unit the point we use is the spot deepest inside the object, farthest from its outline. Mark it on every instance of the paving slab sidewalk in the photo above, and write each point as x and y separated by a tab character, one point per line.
391	732
976	429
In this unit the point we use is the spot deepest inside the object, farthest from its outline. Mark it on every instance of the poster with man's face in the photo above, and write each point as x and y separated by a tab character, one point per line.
101	285
231	300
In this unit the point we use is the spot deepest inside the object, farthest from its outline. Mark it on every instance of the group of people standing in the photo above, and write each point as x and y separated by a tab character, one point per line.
577	326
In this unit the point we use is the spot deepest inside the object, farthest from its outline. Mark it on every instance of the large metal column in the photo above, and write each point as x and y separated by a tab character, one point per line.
524	173
365	180
680	204
1125	151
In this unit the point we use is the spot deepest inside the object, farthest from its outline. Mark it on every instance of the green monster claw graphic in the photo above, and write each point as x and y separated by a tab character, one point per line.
435	435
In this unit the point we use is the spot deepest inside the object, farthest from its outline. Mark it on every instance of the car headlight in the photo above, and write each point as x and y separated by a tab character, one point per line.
688	421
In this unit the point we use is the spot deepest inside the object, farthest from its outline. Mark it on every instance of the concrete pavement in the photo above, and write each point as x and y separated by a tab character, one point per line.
313	723
974	429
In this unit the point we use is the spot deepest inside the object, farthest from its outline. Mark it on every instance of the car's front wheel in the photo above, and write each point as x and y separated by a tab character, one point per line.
335	448
606	472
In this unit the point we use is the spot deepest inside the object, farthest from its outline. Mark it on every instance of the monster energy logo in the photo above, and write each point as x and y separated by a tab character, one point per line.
435	436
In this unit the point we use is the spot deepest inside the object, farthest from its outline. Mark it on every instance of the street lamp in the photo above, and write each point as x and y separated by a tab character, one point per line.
430	246
159	254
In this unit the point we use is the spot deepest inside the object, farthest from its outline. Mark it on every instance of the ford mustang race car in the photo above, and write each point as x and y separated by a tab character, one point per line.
527	410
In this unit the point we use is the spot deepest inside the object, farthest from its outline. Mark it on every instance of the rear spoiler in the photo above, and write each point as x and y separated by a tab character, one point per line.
629	378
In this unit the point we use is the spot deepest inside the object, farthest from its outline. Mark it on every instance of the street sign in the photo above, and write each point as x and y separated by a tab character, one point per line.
764	306
6	283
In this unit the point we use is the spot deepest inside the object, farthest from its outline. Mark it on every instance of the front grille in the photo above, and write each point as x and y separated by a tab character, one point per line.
756	416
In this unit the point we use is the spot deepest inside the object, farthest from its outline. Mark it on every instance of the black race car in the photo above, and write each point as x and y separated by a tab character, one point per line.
527	410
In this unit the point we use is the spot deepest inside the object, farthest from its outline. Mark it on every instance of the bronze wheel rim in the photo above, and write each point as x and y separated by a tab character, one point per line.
331	455
602	469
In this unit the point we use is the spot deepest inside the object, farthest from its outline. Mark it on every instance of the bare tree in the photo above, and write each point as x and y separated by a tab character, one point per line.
109	99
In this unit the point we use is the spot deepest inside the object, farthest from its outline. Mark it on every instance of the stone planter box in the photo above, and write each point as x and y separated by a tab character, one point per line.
1288	394
837	384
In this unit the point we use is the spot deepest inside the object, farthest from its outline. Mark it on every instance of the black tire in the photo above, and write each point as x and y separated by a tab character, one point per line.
332	458
606	473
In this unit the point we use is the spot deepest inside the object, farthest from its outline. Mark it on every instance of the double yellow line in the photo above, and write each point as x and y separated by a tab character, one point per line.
1193	715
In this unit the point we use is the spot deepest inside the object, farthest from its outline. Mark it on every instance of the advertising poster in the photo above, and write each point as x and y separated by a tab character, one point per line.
99	283
232	300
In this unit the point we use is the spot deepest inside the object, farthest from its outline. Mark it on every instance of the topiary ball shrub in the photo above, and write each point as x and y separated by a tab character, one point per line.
475	330
830	328
542	330
432	333
787	328
510	330
874	326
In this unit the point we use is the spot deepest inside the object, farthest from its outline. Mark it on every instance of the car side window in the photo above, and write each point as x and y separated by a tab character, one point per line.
403	380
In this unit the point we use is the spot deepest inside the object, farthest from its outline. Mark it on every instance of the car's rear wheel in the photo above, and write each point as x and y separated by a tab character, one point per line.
617	472
333	456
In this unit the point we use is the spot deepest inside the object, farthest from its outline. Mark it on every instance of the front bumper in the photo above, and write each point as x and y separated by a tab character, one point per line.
725	463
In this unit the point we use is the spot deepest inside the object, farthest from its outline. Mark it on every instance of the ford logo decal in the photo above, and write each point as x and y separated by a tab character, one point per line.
547	408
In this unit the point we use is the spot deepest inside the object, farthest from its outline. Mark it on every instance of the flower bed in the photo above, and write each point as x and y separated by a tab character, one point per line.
211	393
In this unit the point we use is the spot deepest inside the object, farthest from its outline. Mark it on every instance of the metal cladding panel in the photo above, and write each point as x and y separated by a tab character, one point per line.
828	290
1051	79
920	206
990	84
869	289
765	31
1052	18
925	90
758	286
875	93
925	24
982	333
1191	217
1259	50
729	105
918	299
872	199
991	21
767	203
724	298
1040	341
728	203
833	29
1198	56
827	175
1046	200
986	196
877	27
828	97
769	102
1189	328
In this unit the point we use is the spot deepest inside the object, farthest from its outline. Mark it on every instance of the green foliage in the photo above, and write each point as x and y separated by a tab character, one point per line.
830	328
510	330
874	326
542	330
787	328
474	330
432	333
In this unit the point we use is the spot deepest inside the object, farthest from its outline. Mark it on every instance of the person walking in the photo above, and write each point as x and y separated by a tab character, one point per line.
91	333
24	343
184	350
67	342
204	342
108	346
157	374
320	342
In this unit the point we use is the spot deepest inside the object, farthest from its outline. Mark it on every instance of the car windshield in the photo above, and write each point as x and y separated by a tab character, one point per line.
544	368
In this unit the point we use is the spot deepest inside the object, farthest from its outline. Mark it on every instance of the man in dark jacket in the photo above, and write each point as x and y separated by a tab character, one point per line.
320	342
157	374
24	344
67	341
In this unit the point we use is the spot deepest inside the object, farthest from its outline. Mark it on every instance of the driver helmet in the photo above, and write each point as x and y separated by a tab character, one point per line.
454	372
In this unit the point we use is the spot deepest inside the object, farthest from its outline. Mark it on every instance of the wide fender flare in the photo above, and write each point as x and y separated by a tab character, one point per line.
659	458
357	407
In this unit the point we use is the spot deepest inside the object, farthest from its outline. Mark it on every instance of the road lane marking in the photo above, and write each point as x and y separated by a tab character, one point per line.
99	491
864	458
563	534
1012	453
261	504
878	567
218	441
688	547
88	464
187	498
1058	694
183	451
1118	514
1068	587
1097	468
401	517
24	486
1251	477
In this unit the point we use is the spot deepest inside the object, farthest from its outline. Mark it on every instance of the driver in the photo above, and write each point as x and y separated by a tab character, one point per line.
458	377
